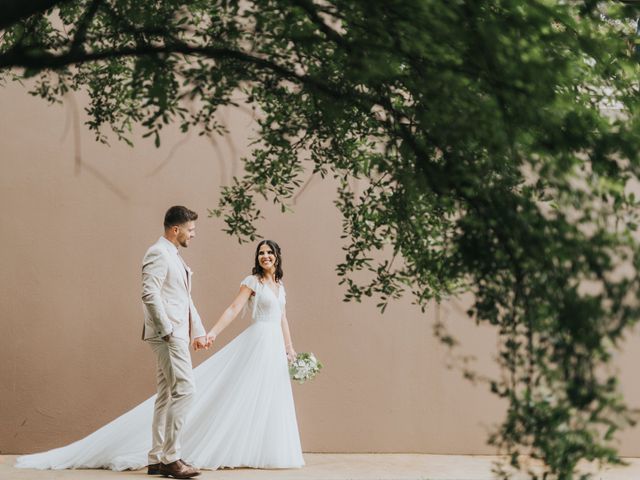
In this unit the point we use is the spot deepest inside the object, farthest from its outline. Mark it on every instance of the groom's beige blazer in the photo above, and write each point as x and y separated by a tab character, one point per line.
166	294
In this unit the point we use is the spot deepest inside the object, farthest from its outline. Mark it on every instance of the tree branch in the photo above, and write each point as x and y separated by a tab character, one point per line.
14	11
83	25
310	9
36	59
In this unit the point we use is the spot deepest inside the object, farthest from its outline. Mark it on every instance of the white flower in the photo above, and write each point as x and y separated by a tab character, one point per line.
304	367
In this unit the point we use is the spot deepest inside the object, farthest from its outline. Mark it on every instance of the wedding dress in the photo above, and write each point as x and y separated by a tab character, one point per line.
242	414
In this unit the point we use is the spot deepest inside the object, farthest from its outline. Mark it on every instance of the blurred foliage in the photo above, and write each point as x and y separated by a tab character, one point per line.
497	142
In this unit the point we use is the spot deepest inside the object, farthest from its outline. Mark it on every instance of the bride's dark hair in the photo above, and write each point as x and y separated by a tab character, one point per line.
258	270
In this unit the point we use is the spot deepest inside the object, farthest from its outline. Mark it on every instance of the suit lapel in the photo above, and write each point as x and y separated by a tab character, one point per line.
186	272
179	262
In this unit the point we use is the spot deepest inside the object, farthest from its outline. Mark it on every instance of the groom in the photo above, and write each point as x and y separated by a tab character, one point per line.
170	321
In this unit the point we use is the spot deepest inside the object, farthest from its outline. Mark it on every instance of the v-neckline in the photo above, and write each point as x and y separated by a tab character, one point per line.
277	295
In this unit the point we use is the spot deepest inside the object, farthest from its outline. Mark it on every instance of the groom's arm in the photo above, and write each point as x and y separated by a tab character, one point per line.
154	272
197	329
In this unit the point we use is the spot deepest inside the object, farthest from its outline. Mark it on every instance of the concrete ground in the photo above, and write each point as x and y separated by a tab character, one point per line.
331	467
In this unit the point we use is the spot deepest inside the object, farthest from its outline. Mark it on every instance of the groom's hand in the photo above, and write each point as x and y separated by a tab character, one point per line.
199	343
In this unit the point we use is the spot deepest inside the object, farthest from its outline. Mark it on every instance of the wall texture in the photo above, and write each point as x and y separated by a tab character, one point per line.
77	216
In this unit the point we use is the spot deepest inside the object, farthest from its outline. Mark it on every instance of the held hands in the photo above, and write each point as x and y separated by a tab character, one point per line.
203	342
211	337
200	343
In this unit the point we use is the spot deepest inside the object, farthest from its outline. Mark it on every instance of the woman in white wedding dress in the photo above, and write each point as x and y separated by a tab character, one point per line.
242	414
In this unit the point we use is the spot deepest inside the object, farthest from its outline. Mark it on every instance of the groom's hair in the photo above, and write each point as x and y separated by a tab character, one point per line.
178	215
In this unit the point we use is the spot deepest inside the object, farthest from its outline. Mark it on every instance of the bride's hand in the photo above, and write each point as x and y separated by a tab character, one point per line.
211	337
291	353
200	343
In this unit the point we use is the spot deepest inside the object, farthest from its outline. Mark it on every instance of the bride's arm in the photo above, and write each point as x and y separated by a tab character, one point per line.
288	343
231	312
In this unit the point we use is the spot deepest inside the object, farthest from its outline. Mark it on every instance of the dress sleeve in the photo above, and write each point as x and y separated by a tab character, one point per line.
284	293
250	281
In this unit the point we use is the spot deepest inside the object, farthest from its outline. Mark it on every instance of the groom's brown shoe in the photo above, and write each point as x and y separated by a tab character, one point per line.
153	469
178	469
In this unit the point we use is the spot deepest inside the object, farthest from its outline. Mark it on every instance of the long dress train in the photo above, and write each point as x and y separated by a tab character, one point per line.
242	414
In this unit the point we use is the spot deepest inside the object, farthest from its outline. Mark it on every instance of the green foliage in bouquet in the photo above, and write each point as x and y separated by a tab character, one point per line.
304	367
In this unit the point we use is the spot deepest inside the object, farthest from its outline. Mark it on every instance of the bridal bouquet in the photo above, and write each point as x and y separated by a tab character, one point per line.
304	367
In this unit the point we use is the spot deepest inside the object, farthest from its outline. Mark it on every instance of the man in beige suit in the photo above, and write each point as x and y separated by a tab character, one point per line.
170	322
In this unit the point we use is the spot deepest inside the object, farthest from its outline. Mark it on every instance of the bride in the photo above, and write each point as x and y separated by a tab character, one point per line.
242	414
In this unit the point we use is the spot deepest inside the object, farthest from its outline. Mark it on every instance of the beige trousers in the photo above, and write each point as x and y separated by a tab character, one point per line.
176	387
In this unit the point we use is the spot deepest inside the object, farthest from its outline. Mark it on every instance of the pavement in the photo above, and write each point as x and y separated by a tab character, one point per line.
325	466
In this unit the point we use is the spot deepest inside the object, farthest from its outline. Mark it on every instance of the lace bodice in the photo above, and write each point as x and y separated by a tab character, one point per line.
265	305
